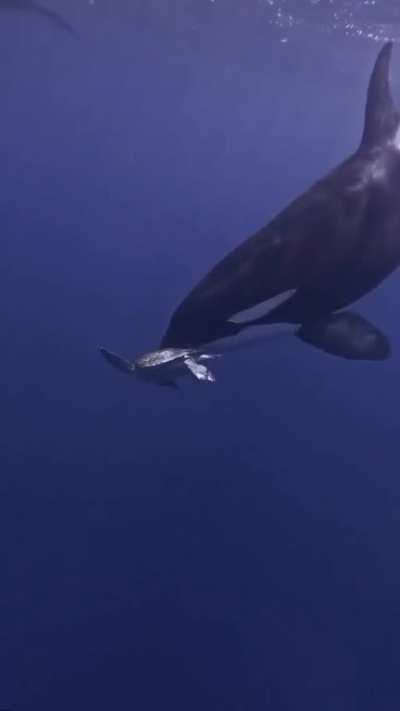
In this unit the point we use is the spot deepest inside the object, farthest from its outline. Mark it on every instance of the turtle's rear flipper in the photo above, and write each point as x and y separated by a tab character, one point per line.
200	372
125	366
347	335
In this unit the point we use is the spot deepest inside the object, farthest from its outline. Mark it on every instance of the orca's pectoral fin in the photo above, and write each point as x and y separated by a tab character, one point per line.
122	364
346	335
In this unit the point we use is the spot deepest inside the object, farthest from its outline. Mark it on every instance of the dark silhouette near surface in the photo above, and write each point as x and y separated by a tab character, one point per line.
38	9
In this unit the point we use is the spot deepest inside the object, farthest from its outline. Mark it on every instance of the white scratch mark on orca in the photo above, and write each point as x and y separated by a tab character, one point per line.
373	172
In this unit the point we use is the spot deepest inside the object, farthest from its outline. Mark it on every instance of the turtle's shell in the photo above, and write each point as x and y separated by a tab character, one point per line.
167	355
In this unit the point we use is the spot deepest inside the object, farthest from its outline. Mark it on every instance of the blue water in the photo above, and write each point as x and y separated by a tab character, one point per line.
232	547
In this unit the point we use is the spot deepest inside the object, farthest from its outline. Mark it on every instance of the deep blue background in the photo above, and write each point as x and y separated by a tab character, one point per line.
231	547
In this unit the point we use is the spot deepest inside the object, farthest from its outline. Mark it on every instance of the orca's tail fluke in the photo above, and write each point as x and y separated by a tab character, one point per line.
382	118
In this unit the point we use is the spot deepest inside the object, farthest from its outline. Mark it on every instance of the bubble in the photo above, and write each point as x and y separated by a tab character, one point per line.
367	19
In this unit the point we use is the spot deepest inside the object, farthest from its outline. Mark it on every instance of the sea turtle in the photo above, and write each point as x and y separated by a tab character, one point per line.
165	366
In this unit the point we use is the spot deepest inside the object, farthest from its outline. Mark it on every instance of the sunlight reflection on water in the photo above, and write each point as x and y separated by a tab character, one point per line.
374	20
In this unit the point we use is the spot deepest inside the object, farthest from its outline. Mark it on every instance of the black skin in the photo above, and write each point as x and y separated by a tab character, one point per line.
347	335
37	9
335	243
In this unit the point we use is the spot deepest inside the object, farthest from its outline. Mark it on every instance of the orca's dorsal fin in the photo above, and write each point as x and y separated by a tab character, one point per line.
382	119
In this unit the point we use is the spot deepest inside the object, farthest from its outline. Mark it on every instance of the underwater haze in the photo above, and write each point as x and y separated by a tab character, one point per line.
232	546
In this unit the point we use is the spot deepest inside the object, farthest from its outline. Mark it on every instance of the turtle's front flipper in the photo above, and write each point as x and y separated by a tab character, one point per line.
125	366
200	372
347	335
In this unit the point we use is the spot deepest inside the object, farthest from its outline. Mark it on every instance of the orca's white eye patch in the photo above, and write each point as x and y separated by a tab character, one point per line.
262	309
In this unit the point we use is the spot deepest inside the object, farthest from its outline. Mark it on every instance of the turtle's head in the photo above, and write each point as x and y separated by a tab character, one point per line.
125	366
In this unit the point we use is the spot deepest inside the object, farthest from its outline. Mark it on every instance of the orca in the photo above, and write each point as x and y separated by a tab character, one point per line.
332	245
37	9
